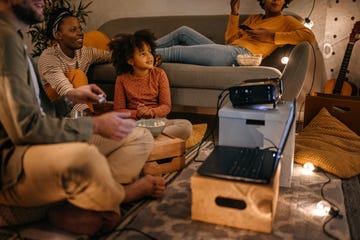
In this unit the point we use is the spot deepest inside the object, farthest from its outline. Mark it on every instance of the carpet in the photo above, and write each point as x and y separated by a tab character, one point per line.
351	188
169	217
296	218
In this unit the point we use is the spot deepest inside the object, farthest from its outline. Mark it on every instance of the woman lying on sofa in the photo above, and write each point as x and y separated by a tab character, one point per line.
260	34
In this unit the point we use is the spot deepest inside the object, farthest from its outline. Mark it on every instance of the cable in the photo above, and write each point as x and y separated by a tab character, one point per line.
307	19
273	144
120	231
219	103
334	210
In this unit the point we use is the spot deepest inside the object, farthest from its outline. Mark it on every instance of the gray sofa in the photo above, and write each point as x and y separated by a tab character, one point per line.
199	86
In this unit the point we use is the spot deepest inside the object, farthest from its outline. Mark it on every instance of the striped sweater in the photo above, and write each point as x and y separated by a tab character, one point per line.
53	64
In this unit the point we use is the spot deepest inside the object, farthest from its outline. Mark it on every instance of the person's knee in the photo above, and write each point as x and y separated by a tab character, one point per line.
187	126
81	168
144	137
185	29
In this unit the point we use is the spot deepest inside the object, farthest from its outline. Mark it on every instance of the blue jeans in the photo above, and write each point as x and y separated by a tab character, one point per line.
185	45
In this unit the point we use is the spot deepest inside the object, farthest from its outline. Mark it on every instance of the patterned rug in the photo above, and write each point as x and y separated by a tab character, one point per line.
296	215
170	217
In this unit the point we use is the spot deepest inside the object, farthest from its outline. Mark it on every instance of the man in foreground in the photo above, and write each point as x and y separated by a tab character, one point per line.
80	169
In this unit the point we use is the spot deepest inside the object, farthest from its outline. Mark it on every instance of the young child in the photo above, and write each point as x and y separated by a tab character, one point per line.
140	88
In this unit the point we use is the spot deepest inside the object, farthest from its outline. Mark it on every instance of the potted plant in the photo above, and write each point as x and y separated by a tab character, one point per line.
38	33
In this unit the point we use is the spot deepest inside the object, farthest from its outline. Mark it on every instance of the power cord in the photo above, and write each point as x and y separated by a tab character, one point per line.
334	210
118	233
307	19
219	104
272	143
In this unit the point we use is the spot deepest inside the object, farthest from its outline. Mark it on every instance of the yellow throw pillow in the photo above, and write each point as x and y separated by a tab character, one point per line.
96	39
329	144
197	135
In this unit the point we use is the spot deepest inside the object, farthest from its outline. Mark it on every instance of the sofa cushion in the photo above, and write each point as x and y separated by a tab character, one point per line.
218	77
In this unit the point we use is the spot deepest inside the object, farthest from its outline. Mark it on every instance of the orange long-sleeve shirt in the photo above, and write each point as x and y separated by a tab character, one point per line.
153	90
287	29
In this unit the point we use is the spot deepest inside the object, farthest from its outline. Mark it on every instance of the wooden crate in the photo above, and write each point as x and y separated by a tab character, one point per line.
167	156
235	204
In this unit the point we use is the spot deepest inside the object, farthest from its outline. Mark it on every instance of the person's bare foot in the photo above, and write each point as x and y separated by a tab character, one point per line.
81	221
147	186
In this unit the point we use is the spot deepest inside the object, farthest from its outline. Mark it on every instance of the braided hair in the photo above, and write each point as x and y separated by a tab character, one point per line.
287	2
123	47
56	18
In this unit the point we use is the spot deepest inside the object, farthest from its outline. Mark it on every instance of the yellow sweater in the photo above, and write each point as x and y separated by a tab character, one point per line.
287	29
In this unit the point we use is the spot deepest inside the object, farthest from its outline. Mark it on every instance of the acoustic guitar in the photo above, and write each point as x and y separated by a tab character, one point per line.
341	85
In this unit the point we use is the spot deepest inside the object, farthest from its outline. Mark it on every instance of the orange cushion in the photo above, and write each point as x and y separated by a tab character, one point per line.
96	39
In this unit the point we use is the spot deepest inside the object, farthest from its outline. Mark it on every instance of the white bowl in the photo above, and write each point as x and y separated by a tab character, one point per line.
155	125
249	60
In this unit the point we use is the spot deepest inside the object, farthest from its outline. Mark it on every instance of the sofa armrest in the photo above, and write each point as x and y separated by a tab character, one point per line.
304	73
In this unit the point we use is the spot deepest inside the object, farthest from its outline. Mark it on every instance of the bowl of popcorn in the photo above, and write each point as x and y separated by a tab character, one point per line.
155	125
249	60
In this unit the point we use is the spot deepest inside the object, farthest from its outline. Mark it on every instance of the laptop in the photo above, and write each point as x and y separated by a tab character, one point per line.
246	164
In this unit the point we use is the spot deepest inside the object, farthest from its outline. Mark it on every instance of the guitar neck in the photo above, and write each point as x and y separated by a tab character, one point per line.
343	69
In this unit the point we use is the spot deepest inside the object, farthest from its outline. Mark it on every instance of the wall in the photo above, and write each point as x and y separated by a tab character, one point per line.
332	35
340	20
104	10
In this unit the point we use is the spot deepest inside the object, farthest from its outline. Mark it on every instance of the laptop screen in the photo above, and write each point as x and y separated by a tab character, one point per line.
285	133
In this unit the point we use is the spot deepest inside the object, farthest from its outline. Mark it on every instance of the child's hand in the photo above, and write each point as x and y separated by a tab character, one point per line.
144	112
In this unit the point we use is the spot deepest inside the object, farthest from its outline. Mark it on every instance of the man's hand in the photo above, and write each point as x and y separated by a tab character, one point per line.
262	35
235	5
113	125
90	93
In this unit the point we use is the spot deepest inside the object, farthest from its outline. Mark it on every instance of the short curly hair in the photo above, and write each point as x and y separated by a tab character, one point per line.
287	2
124	45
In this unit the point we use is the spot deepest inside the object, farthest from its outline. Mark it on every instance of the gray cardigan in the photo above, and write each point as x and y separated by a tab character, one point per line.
22	122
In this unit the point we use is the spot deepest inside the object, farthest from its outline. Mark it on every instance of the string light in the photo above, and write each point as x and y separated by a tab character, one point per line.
284	60
309	166
308	23
323	208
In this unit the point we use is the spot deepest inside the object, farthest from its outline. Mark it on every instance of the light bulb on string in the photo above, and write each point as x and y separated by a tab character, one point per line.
284	60
324	208
309	166
308	23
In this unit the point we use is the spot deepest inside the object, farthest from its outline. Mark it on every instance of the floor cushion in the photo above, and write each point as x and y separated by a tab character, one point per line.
329	144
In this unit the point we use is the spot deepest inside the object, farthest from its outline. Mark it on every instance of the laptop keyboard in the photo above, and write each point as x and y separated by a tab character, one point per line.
248	163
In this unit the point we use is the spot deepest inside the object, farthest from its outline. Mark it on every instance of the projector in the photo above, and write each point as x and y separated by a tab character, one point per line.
256	92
